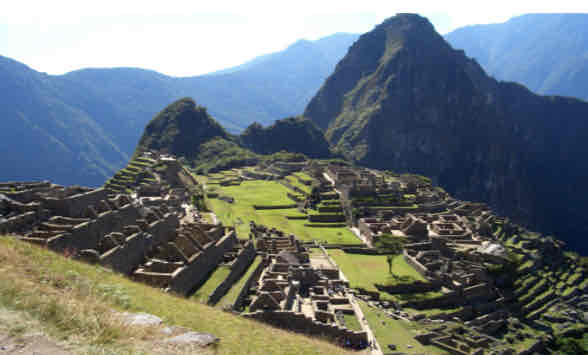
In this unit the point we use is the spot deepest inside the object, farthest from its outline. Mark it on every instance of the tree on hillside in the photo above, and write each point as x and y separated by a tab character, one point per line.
389	260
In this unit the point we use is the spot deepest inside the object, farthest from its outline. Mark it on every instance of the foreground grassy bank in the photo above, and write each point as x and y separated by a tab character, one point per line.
74	301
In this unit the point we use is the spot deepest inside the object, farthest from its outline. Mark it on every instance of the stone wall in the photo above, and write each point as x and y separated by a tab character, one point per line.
76	205
186	279
87	235
326	218
239	266
245	290
299	323
126	258
414	287
274	207
18	223
420	268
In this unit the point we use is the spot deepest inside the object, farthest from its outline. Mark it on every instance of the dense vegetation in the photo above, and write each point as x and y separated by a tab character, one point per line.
294	134
403	99
180	129
548	53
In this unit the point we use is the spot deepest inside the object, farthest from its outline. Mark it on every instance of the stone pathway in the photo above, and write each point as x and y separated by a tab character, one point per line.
376	350
358	234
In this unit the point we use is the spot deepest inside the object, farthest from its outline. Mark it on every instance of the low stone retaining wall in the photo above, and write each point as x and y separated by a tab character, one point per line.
326	218
299	323
330	225
364	251
274	207
297	217
414	287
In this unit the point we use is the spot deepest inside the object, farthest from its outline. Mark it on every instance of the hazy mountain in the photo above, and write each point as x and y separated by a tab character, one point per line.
546	52
403	99
80	127
43	137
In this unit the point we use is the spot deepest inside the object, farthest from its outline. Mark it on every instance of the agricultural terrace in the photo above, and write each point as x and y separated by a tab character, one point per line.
271	193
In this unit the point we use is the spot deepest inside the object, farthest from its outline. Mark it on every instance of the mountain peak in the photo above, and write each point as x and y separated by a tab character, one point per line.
180	129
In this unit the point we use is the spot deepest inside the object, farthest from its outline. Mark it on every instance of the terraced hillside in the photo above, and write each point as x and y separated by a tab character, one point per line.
423	273
139	171
237	198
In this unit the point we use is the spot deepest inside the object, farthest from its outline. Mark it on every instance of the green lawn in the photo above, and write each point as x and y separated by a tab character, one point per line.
363	271
351	322
397	332
231	296
251	193
215	279
294	182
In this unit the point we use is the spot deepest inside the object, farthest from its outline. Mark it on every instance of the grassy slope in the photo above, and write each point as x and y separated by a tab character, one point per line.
251	193
74	299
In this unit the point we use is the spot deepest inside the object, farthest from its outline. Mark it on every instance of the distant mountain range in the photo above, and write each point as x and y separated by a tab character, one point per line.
403	99
548	53
80	127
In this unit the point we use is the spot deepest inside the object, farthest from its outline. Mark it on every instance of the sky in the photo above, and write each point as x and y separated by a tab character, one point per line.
185	38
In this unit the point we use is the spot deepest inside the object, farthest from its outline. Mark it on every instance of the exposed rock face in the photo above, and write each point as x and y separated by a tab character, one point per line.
403	99
294	134
180	129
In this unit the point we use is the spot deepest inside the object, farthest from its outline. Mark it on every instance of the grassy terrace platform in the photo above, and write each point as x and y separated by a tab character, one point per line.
231	296
74	300
251	193
364	271
397	332
215	279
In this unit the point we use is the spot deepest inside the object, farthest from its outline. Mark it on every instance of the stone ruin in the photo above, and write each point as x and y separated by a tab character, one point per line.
137	236
294	294
452	251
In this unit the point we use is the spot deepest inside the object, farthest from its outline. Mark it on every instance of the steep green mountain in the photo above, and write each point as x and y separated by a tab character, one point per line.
294	134
403	99
80	127
180	129
548	53
186	130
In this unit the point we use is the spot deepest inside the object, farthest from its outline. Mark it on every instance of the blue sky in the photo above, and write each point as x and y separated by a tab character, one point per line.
182	38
